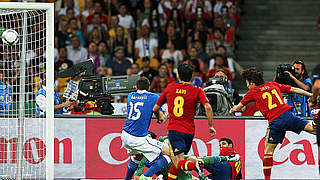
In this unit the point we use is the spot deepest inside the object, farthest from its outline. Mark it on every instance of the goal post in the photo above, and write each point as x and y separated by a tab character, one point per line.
27	139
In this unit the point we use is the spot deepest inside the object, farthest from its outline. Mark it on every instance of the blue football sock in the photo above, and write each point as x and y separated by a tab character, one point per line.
132	167
156	166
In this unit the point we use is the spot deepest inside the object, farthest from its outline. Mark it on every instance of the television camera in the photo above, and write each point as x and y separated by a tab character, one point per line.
284	78
97	89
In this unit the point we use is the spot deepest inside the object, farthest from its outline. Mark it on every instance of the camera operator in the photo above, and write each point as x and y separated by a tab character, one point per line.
220	94
302	80
234	95
41	100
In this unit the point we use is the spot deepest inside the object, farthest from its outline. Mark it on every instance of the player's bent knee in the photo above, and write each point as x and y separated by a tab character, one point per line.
269	148
310	129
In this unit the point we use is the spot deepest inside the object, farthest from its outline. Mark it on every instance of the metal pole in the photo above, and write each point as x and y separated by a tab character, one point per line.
22	97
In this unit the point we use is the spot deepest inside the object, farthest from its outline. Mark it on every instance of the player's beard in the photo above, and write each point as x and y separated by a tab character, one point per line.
298	76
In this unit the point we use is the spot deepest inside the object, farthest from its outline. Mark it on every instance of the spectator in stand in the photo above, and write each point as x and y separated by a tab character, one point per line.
174	37
113	27
96	36
146	46
215	41
155	24
134	68
69	4
174	11
199	9
201	54
93	54
114	7
163	73
103	71
193	54
96	24
126	20
219	5
76	31
63	34
146	70
227	61
119	64
219	64
70	14
63	63
98	9
120	39
103	51
234	15
228	33
76	53
197	73
171	70
144	12
171	53
198	33
88	8
230	25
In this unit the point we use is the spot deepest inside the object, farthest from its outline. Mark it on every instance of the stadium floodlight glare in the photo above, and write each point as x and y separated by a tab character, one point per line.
26	140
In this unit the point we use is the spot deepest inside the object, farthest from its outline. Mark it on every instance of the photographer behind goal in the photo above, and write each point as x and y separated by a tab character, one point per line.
297	76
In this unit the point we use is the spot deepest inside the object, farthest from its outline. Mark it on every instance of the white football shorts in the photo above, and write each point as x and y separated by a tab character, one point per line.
150	148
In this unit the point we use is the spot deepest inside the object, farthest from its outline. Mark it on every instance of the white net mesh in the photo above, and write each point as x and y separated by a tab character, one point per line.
20	79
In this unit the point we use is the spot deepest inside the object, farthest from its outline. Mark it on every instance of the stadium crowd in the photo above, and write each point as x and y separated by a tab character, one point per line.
147	37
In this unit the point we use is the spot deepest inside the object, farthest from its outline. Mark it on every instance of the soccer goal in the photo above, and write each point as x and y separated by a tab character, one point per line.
26	64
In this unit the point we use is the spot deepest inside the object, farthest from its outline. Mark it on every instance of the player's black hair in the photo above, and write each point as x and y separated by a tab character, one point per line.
305	73
152	134
143	83
253	75
229	141
185	72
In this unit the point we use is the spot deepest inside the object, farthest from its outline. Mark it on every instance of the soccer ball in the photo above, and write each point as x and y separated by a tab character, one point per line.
10	37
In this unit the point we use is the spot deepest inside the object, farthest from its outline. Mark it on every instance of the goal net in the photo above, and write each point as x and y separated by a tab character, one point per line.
26	137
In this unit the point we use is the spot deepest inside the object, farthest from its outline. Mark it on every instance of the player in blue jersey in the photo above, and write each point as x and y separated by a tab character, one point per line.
135	131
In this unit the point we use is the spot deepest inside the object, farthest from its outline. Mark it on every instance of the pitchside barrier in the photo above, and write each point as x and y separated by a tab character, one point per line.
90	147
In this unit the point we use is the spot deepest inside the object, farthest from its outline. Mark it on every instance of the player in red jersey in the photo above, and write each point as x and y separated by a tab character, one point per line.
269	101
182	99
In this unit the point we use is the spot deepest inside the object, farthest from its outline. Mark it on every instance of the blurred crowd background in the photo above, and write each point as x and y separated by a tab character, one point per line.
148	37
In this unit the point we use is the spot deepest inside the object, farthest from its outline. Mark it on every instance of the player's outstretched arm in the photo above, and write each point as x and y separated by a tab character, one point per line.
300	91
236	108
209	113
